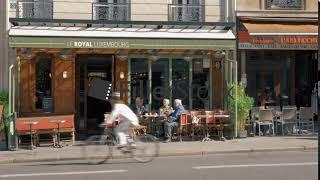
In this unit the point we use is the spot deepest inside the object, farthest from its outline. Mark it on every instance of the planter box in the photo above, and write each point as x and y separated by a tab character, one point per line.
3	145
242	133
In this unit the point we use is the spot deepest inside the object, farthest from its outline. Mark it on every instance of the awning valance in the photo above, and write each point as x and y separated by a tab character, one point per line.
278	35
129	38
274	28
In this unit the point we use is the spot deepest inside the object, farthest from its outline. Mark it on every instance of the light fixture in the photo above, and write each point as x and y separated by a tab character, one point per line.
219	54
122	55
217	65
187	55
65	74
154	55
121	75
65	53
27	53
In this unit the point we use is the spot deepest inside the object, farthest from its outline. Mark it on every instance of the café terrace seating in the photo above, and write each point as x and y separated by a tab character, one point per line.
285	121
194	125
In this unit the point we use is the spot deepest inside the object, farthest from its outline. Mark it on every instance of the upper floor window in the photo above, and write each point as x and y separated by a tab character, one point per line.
283	4
116	10
187	10
35	9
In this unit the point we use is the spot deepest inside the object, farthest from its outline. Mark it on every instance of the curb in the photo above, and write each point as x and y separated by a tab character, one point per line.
202	153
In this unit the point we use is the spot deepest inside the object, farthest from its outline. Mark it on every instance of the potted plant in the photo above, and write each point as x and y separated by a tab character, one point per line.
4	106
244	104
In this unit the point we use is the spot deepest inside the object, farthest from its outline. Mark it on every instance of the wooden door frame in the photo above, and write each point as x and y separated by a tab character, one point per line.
82	59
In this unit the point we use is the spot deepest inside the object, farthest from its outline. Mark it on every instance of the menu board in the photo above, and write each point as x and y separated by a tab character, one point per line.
47	104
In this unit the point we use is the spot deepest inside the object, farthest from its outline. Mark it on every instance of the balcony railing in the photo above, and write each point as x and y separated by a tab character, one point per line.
186	12
283	4
111	11
34	9
104	13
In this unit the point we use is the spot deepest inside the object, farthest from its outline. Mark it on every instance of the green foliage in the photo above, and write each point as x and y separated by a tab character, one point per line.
4	100
244	104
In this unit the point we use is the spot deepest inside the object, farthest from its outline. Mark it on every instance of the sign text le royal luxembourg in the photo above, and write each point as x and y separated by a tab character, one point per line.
98	44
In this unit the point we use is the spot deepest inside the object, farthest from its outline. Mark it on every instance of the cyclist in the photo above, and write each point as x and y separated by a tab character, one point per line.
125	117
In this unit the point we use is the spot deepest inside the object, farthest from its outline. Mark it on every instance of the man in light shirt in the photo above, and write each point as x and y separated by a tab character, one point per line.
126	119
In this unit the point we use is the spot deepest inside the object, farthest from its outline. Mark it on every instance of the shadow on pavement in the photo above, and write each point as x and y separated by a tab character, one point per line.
56	163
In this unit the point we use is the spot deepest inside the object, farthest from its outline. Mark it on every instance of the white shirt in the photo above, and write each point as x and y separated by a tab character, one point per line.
124	113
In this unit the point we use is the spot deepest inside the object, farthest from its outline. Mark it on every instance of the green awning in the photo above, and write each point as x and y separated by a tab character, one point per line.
129	38
59	42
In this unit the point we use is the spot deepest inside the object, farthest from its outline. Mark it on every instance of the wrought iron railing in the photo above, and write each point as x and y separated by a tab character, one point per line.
283	4
111	11
34	9
186	12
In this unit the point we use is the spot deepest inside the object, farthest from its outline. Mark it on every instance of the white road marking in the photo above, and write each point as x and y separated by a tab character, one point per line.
63	173
256	165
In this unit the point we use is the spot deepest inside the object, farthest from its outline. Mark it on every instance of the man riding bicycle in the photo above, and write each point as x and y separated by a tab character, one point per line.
125	117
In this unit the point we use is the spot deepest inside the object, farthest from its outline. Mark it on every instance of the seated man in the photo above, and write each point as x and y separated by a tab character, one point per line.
138	107
173	120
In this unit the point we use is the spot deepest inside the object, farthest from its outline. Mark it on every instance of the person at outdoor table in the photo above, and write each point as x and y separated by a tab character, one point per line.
138	108
165	110
173	119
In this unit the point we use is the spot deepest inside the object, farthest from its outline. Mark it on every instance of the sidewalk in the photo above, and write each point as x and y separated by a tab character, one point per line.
251	144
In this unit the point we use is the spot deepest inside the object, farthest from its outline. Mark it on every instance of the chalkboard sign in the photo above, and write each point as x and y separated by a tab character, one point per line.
100	89
47	104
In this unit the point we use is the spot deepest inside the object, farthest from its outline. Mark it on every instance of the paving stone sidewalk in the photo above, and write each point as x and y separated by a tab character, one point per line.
251	144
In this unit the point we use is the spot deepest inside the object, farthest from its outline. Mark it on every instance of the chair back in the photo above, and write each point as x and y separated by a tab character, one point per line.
266	115
194	117
306	113
210	117
255	110
275	108
184	119
289	113
286	107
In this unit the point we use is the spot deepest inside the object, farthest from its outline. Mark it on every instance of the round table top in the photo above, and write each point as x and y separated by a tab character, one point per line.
57	121
31	123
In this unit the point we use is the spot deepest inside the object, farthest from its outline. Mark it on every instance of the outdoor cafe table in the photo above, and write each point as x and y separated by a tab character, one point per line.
151	122
221	124
205	124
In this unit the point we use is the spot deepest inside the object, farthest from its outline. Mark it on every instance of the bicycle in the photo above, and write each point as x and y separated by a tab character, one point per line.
100	148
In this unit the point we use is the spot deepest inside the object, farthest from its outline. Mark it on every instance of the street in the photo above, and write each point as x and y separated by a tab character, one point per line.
285	165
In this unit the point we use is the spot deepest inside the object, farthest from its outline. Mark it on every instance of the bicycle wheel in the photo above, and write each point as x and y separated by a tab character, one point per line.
146	148
96	149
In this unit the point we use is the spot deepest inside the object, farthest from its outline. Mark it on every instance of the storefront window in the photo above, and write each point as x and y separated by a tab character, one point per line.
172	78
180	81
43	83
200	84
160	82
139	79
268	76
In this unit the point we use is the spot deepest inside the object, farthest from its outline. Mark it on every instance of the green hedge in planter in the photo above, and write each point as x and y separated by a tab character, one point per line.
244	104
4	100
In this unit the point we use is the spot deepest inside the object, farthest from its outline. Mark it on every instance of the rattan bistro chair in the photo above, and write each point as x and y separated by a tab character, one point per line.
305	120
266	118
288	117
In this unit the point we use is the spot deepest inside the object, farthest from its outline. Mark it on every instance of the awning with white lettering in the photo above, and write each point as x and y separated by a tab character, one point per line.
281	28
129	38
278	35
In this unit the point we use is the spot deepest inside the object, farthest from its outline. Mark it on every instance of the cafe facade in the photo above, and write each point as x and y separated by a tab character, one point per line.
57	66
277	50
278	59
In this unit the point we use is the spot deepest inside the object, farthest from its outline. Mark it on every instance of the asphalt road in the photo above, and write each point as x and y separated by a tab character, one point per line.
242	166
